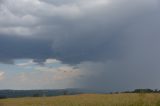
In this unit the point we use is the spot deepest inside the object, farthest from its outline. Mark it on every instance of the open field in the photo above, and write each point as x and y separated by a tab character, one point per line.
87	100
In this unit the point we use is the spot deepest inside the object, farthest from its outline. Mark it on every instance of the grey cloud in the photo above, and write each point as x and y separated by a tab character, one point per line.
100	36
139	68
123	32
23	48
59	2
96	35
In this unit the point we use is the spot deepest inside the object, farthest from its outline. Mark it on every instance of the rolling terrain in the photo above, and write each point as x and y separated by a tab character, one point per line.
127	99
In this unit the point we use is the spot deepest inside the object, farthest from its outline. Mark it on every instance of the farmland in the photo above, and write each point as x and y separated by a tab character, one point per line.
130	99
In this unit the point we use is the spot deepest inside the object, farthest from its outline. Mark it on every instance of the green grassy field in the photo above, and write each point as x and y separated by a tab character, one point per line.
87	100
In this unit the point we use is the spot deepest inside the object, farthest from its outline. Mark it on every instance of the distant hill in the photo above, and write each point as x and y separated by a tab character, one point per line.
58	92
35	93
39	93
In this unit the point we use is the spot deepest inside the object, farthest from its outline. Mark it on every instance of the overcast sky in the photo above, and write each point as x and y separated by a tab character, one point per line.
101	44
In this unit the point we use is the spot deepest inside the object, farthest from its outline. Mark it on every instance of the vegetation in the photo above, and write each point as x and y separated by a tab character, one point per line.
127	99
146	91
36	93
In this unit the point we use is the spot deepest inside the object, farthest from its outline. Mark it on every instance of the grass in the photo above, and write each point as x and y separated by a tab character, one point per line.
87	100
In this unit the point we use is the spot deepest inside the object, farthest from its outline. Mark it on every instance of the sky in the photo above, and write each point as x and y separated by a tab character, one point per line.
99	44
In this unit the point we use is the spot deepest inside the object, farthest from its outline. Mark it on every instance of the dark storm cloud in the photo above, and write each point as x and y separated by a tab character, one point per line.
12	48
77	38
99	36
95	32
139	67
118	39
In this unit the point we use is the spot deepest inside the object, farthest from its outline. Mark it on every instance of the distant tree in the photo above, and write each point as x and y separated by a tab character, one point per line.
143	91
3	97
36	95
127	92
65	92
156	90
